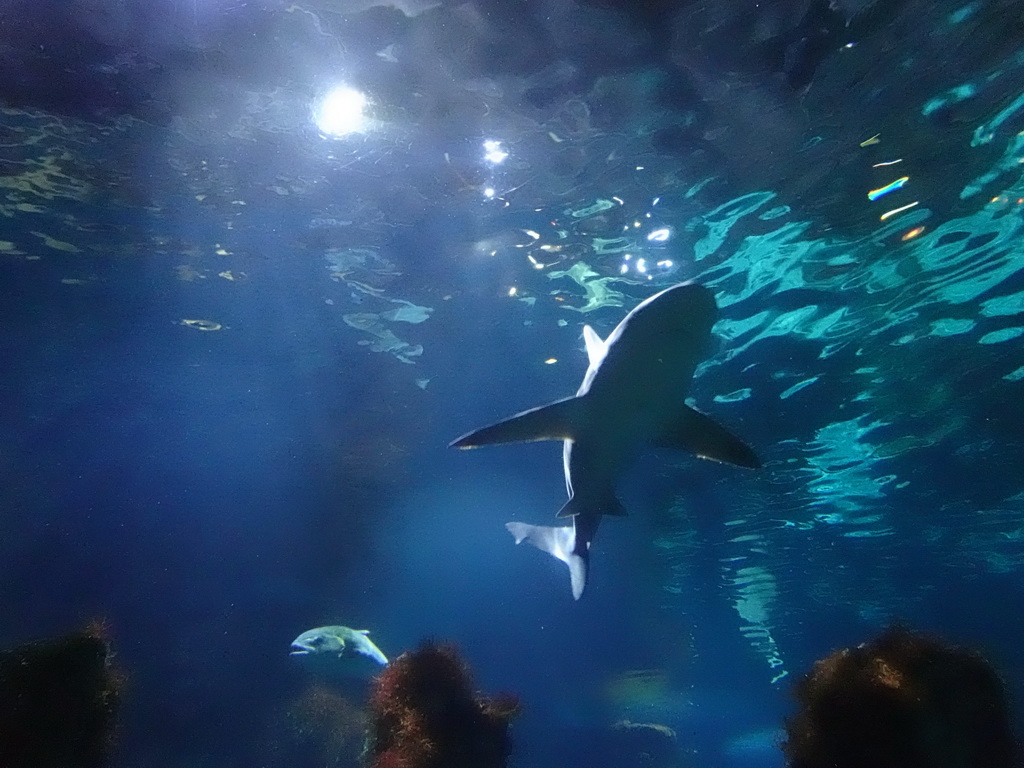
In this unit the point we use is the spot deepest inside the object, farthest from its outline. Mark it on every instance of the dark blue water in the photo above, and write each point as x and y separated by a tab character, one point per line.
234	350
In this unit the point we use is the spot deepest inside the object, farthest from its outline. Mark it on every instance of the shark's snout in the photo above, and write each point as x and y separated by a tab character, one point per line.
298	649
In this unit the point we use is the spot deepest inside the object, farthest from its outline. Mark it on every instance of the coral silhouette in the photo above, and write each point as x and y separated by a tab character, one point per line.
901	700
320	727
328	725
58	702
424	713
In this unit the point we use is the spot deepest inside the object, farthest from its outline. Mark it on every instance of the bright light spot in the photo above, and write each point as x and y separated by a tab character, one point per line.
531	233
489	193
512	291
641	266
619	200
655	201
894	211
493	153
665	264
551	361
874	194
660	235
624	269
341	112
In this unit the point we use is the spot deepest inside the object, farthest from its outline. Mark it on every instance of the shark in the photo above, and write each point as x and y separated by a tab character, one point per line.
342	641
632	397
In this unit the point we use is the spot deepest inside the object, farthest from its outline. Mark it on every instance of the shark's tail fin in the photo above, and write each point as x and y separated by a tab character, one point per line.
559	541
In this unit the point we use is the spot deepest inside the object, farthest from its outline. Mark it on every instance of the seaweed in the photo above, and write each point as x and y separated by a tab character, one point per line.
425	713
58	702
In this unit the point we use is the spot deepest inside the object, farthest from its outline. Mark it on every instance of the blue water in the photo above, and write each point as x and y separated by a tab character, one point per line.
234	349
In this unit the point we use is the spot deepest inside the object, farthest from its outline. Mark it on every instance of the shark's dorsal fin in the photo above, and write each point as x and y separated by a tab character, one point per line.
596	348
556	421
704	437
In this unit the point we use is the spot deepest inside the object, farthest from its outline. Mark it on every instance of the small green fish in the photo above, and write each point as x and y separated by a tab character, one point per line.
338	640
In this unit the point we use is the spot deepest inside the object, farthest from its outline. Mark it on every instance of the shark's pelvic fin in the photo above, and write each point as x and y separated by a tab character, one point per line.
704	437
555	421
559	541
608	505
596	348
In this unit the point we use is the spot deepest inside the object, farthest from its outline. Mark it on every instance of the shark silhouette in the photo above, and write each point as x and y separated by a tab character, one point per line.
631	397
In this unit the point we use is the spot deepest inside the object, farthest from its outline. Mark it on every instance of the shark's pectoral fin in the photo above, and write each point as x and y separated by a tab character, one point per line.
555	421
596	348
559	541
606	505
704	437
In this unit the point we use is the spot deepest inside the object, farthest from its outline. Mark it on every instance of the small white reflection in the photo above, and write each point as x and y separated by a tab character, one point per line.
493	152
